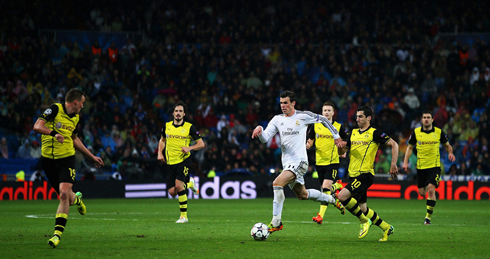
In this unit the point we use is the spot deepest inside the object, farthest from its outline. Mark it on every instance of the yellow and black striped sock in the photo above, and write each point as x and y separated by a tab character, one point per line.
183	203
371	214
324	205
60	223
336	186
430	208
352	206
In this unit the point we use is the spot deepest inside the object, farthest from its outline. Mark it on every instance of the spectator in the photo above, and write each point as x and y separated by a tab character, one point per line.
35	150
24	151
4	150
412	100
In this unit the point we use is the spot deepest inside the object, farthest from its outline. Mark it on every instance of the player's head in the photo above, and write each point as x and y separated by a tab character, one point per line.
364	116
178	111
427	118
75	98
328	110
287	100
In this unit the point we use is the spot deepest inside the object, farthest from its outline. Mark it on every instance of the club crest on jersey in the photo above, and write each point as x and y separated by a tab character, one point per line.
297	123
182	130
61	126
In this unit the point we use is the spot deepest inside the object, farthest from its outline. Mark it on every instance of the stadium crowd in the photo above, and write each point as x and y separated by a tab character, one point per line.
229	60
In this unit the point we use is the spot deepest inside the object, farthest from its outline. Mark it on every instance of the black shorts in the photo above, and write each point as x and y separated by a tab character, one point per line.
178	171
328	172
358	186
59	171
430	175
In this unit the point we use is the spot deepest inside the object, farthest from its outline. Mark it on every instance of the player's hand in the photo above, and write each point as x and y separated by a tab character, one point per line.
185	149
60	138
98	162
393	171
340	143
257	131
308	145
160	157
344	155
451	157
405	167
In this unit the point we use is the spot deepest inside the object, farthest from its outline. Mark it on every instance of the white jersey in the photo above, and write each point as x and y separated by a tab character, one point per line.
292	132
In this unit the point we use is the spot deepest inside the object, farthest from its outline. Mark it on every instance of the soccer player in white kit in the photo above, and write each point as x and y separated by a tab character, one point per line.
292	126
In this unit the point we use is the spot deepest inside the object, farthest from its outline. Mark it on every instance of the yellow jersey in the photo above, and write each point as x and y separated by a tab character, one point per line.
363	148
176	137
326	151
65	124
427	144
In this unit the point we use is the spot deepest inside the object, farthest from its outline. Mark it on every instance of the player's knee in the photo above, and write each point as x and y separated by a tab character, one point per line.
64	196
302	197
172	192
343	195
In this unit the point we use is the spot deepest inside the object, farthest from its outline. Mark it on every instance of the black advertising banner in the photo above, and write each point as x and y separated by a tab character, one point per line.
234	188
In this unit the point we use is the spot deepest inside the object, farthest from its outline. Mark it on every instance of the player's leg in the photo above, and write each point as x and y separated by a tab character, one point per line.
181	180
284	178
333	185
299	189
433	178
428	180
431	203
376	220
61	213
357	187
322	172
193	186
182	192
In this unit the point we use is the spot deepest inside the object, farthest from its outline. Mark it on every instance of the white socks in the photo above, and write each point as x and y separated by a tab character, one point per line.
316	195
277	205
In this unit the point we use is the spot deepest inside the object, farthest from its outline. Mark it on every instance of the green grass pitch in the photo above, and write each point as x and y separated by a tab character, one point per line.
145	228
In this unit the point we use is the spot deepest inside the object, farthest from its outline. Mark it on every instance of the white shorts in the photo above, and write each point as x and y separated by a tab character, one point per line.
299	168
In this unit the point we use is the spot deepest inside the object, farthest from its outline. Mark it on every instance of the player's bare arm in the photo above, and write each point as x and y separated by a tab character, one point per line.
408	153
199	145
449	150
257	131
77	143
394	158
41	129
161	147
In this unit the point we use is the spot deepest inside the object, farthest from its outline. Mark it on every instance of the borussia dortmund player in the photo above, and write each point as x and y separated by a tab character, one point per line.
427	139
58	126
327	157
363	144
174	149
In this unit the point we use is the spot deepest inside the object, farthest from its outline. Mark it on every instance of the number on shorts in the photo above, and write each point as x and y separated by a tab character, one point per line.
334	174
186	170
355	184
72	173
437	179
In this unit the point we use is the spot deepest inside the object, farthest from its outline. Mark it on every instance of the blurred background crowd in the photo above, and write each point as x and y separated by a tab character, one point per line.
228	61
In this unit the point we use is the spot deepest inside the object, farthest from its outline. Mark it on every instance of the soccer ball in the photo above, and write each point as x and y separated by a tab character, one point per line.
260	232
